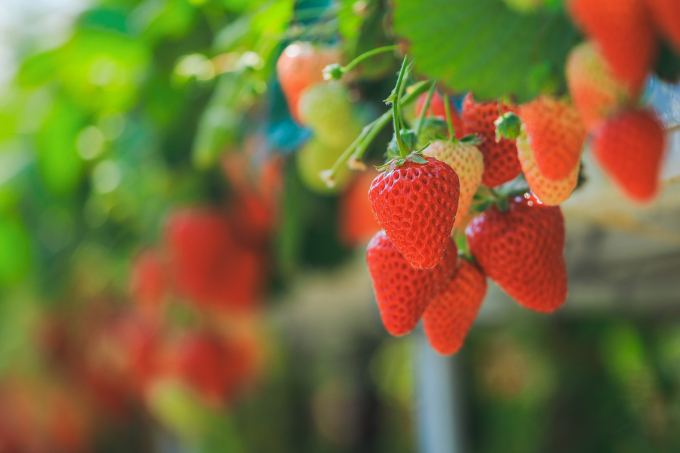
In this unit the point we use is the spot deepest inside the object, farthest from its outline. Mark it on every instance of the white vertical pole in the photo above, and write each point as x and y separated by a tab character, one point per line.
437	393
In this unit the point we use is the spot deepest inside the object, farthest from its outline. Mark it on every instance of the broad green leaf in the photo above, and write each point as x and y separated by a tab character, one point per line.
481	45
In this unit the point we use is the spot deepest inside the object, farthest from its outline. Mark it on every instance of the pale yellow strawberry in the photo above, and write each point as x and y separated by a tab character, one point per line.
550	192
468	162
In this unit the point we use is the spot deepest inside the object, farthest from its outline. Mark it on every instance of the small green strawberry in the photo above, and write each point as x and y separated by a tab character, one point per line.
468	163
327	110
315	157
300	66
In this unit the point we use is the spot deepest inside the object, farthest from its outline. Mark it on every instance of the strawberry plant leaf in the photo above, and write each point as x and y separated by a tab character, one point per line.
487	48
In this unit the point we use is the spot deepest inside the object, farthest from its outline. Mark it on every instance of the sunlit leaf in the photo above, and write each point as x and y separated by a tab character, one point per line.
481	45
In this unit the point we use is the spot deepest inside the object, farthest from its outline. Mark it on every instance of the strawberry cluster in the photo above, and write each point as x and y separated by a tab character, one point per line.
491	173
606	77
422	200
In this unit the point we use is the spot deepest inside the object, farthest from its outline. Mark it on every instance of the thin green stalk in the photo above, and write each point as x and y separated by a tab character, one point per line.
366	55
384	119
357	149
448	116
344	157
396	113
426	106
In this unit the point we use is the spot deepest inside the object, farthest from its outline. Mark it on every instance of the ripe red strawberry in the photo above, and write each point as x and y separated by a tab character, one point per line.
556	135
630	148
468	163
300	66
551	192
624	33
500	158
521	249
666	16
401	291
357	222
416	205
438	110
450	315
596	93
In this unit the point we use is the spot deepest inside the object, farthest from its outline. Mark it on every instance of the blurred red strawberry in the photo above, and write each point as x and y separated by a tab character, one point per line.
217	369
148	281
139	346
300	66
209	264
357	221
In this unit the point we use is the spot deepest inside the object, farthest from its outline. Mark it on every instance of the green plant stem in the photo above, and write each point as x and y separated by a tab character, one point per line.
396	113
357	149
377	125
426	106
366	55
448	116
344	157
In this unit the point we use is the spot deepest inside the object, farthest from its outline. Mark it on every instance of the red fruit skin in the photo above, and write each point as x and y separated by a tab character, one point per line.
596	93
300	66
556	135
216	368
200	360
438	110
666	15
500	159
208	264
630	149
452	312
357	222
148	280
197	240
624	32
522	249
402	292
416	205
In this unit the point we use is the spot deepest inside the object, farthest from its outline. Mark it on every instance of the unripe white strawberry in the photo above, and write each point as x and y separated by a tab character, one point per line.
467	161
550	192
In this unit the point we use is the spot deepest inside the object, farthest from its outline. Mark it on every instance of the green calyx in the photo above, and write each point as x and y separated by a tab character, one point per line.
409	141
415	157
508	126
333	72
485	197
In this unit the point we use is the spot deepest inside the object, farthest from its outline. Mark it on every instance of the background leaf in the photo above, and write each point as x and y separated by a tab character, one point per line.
481	45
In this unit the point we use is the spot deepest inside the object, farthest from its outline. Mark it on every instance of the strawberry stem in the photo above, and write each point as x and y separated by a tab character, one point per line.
426	106
396	113
448	116
335	71
356	150
463	248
